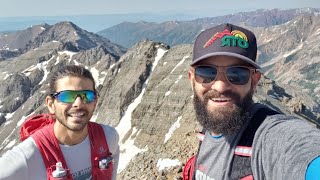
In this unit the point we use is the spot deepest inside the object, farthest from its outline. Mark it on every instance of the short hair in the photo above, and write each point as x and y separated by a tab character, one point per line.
69	70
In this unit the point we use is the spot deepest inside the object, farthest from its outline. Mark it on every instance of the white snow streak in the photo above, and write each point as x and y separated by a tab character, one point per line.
10	144
167	93
317	32
28	71
293	51
178	79
23	118
94	118
9	115
7	75
5	141
163	164
43	66
75	62
160	53
128	149
175	126
95	74
69	53
181	62
102	78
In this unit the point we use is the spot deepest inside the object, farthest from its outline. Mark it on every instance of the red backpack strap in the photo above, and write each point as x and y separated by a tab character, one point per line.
50	150
188	170
101	159
33	124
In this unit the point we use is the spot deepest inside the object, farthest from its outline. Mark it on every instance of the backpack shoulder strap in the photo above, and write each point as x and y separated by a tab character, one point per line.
34	123
256	120
50	150
189	169
241	164
101	159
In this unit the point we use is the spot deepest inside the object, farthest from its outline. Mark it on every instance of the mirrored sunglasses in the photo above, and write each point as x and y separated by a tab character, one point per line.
237	75
69	96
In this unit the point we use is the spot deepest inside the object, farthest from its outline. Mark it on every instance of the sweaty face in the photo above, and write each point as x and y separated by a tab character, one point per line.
72	116
221	107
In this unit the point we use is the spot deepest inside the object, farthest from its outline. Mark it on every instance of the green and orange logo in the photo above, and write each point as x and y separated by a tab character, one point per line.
233	38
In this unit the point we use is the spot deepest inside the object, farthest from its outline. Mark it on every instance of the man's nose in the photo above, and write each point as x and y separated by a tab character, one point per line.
221	84
78	101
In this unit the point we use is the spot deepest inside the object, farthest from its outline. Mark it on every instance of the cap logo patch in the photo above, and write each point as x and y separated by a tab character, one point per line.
235	38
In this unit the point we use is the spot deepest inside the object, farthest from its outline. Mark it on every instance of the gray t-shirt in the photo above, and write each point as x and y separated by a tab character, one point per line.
283	146
24	161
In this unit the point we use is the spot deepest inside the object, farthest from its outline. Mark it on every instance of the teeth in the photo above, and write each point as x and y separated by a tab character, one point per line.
76	114
221	99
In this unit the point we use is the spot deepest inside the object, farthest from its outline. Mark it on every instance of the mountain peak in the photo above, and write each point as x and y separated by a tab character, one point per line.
72	37
67	25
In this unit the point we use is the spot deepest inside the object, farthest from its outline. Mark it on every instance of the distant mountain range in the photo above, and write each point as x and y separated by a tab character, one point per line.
184	32
144	91
92	23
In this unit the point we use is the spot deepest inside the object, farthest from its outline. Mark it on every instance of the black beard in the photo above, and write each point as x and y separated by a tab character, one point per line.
225	120
74	129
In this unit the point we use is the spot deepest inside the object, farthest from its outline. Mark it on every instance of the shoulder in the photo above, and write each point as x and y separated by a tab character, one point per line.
111	135
110	131
288	130
286	140
273	119
27	148
280	122
19	159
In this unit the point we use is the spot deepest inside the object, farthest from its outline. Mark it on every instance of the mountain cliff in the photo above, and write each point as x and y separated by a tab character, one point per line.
289	54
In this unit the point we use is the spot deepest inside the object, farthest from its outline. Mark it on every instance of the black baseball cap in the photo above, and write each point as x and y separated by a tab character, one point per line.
228	40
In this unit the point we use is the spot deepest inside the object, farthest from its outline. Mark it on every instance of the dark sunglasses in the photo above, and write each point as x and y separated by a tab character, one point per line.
237	75
69	96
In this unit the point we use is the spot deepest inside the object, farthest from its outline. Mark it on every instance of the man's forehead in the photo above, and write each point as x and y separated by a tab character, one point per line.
67	82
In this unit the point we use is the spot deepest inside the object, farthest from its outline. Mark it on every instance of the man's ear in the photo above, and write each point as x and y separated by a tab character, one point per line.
50	104
255	79
191	77
96	102
190	74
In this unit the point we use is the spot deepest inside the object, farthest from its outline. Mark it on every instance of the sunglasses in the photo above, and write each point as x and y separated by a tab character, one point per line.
237	75
69	96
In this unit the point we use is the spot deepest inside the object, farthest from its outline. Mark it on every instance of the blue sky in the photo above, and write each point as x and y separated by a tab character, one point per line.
13	8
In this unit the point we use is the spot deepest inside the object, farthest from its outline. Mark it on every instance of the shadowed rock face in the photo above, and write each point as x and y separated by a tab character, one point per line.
18	39
144	93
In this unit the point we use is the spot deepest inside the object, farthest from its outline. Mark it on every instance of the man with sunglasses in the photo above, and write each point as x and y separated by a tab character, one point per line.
68	146
242	139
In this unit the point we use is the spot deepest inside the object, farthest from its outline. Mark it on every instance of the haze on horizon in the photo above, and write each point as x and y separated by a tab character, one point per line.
17	8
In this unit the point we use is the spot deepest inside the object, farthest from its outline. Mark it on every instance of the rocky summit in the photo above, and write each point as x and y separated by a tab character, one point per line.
144	91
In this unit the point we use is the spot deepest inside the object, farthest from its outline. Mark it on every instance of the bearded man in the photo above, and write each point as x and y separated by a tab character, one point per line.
242	139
